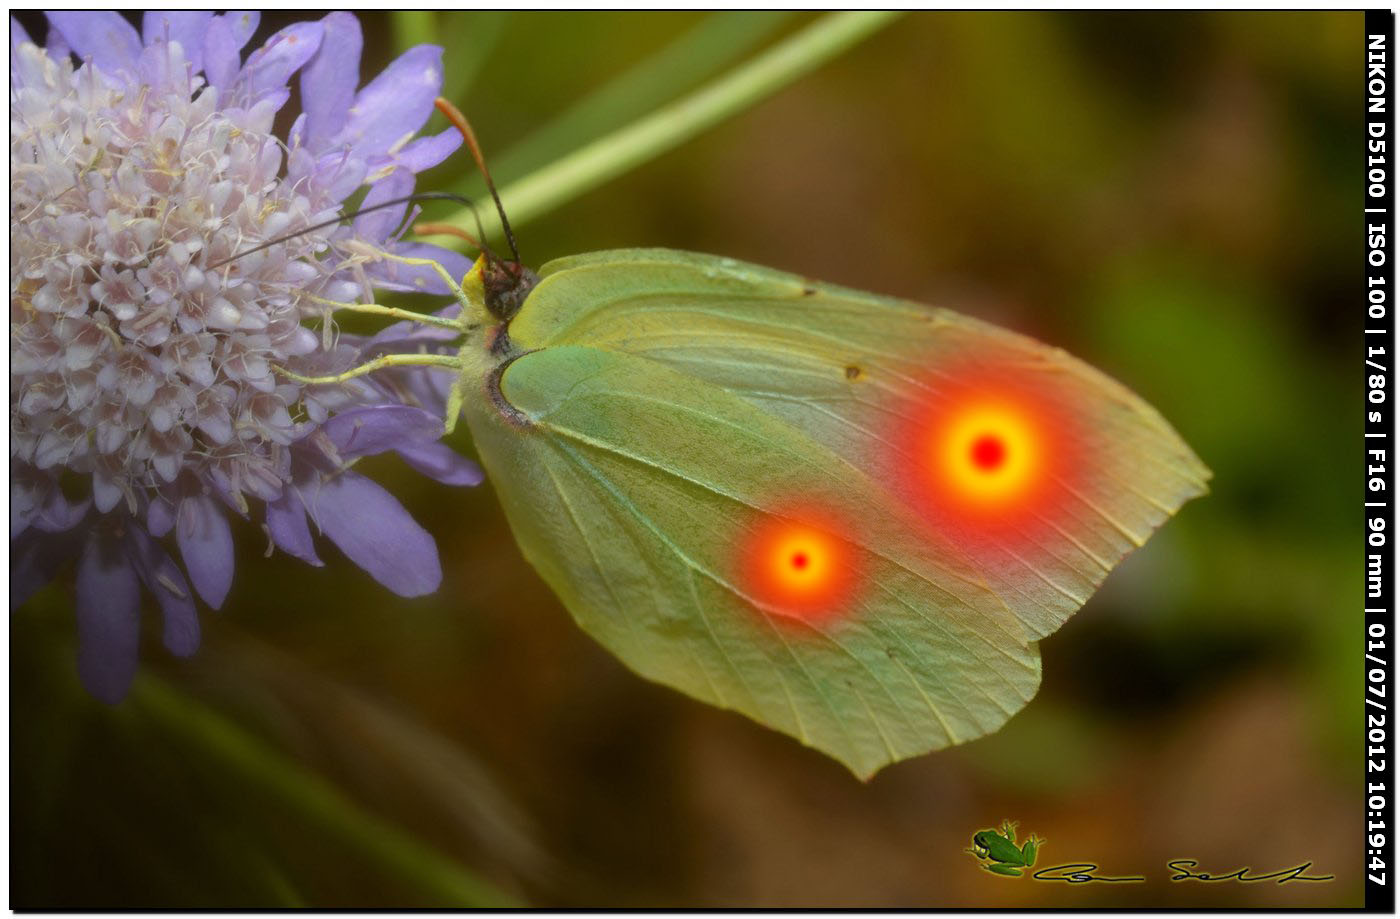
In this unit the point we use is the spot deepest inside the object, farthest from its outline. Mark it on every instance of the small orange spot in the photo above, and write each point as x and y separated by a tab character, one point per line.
798	569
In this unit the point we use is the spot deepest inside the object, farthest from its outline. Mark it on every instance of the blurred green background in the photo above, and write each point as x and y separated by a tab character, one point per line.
1172	197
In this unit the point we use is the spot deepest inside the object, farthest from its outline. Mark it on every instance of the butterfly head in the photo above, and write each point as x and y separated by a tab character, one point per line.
506	285
506	282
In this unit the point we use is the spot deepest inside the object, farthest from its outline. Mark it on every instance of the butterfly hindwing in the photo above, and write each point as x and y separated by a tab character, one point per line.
636	492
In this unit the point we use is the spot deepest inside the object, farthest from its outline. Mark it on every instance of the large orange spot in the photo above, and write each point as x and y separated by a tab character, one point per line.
798	569
986	453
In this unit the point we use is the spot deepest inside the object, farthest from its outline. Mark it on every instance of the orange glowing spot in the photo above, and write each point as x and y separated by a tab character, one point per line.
992	454
986	454
798	570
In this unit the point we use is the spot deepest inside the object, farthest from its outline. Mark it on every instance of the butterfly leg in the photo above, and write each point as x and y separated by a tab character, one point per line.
374	309
379	363
469	307
455	396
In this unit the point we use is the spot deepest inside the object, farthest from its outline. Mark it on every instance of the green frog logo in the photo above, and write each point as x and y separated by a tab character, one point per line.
999	851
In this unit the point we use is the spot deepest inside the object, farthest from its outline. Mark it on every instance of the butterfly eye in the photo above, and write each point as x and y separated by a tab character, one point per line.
798	570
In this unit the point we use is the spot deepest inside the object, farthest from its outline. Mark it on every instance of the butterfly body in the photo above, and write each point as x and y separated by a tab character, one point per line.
846	516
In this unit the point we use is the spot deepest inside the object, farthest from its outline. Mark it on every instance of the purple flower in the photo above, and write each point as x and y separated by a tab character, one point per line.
146	369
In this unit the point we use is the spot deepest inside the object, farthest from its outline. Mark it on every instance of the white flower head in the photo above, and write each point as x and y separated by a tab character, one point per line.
153	373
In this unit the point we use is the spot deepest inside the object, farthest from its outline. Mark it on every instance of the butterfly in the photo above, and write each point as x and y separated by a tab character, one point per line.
846	516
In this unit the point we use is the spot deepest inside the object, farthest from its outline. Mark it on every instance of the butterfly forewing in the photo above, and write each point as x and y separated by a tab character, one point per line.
874	379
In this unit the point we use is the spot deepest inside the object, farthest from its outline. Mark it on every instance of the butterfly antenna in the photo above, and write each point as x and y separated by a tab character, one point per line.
430	228
459	121
420	196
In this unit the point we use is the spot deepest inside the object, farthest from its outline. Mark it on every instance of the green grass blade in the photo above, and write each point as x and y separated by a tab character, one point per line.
709	47
608	157
413	27
469	39
313	798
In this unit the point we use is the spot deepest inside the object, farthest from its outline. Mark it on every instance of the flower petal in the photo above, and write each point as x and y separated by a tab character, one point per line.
220	54
57	513
329	80
377	428
402	336
56	46
109	619
184	26
431	388
29	67
162	577
107	38
160	517
396	103
339	173
241	25
17	35
377	225
206	545
270	67
286	524
28	492
439	461
36	558
372	528
426	152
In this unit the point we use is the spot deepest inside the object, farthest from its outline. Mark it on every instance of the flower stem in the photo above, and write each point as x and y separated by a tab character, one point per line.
668	127
313	798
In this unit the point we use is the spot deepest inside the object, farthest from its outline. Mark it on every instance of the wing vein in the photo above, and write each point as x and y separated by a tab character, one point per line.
693	565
